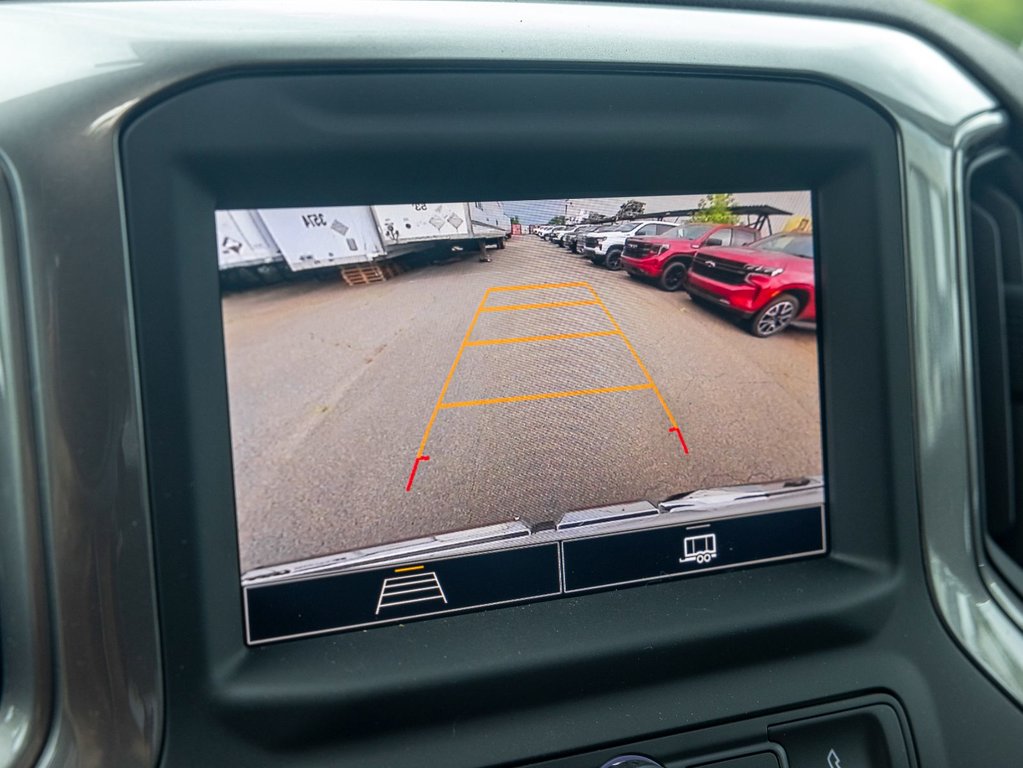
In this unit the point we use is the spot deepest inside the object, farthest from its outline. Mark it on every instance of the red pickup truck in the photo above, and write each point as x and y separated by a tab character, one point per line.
770	282
666	258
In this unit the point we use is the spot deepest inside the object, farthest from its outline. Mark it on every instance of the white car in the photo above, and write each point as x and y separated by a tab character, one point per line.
554	232
606	246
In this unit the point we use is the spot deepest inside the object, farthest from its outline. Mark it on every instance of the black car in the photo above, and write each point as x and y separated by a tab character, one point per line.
573	239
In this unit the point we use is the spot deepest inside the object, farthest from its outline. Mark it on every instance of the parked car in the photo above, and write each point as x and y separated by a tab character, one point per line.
569	234
597	232
553	233
769	282
606	247
573	241
666	258
559	236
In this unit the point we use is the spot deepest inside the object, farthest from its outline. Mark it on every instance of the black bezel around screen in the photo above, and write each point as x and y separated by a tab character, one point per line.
279	140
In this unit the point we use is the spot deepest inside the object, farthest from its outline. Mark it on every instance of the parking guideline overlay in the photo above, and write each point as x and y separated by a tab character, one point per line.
483	307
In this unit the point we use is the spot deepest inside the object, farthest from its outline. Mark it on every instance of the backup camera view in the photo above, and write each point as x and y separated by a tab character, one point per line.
437	407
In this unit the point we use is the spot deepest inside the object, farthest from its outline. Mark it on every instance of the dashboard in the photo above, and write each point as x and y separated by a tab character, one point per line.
534	384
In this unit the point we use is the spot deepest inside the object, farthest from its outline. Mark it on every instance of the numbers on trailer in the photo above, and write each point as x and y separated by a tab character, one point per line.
419	207
314	220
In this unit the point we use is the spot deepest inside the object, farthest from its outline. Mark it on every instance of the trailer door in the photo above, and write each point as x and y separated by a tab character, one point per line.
310	238
422	222
242	242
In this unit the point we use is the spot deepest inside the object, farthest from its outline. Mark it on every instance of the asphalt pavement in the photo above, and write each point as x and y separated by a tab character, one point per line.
537	383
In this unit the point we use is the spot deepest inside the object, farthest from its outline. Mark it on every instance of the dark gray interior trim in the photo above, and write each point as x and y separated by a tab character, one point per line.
72	74
25	690
977	608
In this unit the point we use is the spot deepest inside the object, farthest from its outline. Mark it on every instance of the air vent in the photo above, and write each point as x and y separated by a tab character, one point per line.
996	230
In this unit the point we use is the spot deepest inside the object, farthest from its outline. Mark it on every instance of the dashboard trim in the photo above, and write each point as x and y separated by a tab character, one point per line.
25	651
978	610
82	69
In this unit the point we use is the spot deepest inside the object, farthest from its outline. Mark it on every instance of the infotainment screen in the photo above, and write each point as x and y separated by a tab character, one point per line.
439	407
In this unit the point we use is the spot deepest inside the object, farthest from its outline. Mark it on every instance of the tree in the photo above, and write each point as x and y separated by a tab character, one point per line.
515	220
630	209
1001	17
556	221
716	209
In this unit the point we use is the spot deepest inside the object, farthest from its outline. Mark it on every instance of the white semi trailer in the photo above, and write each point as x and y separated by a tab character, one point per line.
490	217
317	238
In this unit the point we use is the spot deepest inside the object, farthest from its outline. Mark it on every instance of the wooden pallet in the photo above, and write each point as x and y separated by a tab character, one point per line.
364	274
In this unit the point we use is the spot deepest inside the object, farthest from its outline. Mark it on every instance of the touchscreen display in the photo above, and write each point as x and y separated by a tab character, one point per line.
446	407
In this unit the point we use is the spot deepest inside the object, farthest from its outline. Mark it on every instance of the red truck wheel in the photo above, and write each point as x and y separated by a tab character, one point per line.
775	316
672	276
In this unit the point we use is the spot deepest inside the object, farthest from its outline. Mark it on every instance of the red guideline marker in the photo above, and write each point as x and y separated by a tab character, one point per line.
415	466
676	430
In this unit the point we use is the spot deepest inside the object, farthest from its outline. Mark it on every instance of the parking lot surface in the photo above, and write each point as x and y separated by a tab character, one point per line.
536	384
